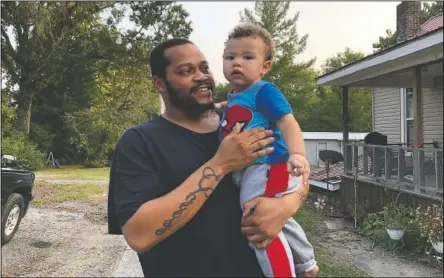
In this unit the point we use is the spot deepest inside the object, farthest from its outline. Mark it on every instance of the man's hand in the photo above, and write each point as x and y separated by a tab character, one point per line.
262	220
238	149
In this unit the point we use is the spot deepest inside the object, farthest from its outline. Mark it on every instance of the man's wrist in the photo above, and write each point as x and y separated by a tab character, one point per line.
218	167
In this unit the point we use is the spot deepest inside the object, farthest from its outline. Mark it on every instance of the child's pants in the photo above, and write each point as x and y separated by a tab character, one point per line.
290	252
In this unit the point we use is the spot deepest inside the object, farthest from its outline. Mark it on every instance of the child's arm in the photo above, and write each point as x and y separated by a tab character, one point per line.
295	142
272	104
292	134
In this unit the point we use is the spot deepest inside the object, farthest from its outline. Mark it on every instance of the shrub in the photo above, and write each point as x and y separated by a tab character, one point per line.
373	226
396	216
27	154
430	223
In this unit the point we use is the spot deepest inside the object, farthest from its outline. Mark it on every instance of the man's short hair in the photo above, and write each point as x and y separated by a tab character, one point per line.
252	30
158	61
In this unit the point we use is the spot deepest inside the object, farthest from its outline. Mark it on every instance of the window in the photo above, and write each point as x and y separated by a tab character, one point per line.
409	119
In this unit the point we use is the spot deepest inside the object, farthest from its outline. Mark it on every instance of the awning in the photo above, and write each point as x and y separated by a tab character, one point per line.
393	67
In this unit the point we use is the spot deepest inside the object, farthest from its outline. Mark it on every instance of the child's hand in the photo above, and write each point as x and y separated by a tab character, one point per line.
297	165
220	105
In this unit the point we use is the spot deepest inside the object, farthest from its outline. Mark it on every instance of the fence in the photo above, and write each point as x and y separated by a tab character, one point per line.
417	170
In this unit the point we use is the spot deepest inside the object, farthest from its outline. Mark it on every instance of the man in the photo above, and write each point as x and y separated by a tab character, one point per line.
171	191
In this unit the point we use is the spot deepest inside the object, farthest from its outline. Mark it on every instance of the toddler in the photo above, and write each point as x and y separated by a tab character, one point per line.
248	56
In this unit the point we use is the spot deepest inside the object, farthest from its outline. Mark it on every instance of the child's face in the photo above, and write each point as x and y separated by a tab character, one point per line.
244	61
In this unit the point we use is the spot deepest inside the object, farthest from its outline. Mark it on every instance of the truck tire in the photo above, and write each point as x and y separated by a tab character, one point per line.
12	215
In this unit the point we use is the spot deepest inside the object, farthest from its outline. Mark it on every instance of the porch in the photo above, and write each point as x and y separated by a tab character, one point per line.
411	170
413	166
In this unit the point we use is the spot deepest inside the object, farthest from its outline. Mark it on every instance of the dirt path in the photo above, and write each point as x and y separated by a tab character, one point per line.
68	240
375	261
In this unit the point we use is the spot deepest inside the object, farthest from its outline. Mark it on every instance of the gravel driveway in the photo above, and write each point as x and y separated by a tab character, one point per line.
68	240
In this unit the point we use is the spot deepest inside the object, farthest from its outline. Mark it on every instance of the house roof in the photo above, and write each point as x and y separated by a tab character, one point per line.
353	136
430	27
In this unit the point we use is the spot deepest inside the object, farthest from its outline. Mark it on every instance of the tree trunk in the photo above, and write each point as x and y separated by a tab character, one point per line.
24	112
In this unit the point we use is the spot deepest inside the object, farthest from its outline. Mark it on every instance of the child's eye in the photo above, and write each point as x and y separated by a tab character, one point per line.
248	57
228	57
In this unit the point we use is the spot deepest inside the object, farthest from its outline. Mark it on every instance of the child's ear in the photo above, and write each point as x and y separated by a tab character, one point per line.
267	67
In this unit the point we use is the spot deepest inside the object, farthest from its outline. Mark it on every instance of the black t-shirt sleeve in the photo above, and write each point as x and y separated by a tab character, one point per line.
135	178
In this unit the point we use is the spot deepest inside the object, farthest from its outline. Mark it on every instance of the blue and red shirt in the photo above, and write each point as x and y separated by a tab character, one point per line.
261	104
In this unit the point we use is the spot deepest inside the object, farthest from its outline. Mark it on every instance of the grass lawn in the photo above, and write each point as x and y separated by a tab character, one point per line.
48	193
75	172
330	265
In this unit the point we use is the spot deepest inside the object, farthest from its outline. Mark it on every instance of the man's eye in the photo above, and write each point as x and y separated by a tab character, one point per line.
185	72
206	69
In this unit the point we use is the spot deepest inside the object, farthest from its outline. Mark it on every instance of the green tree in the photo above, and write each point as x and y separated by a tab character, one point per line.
326	113
92	76
40	31
294	78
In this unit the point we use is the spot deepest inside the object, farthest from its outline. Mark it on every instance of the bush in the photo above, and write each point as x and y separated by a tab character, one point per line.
374	225
27	154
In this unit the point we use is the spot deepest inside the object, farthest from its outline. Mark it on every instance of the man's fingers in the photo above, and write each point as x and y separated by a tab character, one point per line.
256	238
261	143
263	152
248	230
236	129
264	244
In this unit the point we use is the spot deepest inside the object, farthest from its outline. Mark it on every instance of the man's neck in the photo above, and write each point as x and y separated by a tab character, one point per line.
207	123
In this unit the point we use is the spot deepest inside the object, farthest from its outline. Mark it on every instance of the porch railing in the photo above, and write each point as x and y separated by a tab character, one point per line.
418	170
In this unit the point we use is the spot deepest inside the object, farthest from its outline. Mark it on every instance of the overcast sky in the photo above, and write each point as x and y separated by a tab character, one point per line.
331	26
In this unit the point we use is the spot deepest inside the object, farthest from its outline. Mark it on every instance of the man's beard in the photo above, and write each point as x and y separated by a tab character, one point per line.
189	105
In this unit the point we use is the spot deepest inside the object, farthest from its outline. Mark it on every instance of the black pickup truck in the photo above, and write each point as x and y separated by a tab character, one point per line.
16	195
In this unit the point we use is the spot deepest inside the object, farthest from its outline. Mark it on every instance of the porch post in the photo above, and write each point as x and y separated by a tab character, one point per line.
345	129
417	107
418	154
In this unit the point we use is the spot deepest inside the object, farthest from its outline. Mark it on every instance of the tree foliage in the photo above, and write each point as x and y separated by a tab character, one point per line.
294	77
326	113
75	80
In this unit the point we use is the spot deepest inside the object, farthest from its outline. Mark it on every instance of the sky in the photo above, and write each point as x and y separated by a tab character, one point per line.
331	27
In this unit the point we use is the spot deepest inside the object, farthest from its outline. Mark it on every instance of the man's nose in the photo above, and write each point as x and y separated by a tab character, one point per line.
200	76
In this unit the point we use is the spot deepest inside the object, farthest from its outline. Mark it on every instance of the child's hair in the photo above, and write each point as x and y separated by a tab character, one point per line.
252	30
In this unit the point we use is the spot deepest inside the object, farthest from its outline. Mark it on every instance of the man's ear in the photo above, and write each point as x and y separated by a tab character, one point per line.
159	83
267	67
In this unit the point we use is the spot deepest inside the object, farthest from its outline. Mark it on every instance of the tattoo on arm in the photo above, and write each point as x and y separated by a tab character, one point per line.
207	173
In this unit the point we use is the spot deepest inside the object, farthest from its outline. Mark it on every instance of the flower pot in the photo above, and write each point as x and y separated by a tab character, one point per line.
395	234
438	246
335	223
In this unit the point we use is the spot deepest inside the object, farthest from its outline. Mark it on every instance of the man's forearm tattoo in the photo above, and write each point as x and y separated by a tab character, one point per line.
207	173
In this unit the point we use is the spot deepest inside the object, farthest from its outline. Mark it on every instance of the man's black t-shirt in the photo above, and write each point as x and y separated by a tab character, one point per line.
151	160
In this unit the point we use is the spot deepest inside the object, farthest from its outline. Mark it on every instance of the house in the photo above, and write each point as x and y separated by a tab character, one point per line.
316	141
407	83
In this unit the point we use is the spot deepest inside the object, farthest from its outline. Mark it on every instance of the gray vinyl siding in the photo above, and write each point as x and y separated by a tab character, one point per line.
433	115
387	113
